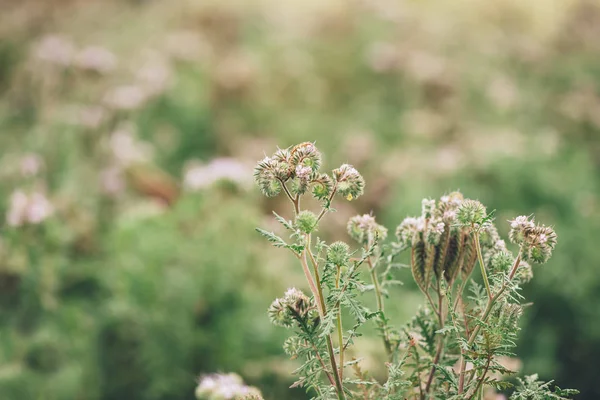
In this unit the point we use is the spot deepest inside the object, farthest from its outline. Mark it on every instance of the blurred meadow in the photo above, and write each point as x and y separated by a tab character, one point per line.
129	264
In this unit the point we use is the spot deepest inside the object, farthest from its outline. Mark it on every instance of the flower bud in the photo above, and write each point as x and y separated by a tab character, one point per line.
350	184
428	208
280	314
322	186
408	229
306	155
500	261
338	254
471	212
293	304
266	177
307	221
364	229
434	232
537	241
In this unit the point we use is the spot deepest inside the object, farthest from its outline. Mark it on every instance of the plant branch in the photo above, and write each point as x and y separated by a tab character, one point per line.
379	297
482	265
484	318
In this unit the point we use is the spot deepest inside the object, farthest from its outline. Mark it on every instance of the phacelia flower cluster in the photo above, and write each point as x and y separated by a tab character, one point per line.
364	229
292	306
225	387
296	170
536	241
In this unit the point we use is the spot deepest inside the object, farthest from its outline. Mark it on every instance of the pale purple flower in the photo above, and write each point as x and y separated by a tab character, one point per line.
112	181
54	49
200	176
154	76
25	208
126	98
97	59
127	149
31	164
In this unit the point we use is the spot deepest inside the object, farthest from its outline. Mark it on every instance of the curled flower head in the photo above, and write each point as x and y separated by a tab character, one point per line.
322	186
294	304
434	231
501	261
408	229
302	180
285	166
350	183
471	212
536	241
307	221
364	229
306	155
266	177
338	254
428	207
292	346
518	227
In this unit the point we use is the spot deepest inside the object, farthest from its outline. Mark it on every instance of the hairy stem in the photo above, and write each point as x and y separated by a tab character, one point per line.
440	348
339	325
481	264
336	375
484	318
382	324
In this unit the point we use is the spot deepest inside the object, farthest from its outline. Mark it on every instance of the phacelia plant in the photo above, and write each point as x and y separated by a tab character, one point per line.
455	346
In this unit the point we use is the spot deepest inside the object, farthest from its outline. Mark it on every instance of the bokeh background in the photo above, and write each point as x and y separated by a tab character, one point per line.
129	264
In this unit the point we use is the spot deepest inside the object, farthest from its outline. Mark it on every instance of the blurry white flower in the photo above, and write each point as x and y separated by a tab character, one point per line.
201	176
55	50
154	76
126	149
223	386
187	46
31	164
28	209
91	117
126	98
112	181
97	59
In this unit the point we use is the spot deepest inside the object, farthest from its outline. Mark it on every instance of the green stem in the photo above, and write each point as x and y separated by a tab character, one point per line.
321	299
483	273
486	314
379	297
339	325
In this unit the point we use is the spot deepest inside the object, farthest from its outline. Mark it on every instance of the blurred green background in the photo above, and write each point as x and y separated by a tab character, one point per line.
128	131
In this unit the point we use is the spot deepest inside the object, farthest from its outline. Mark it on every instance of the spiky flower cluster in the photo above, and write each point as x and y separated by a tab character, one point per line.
225	387
442	240
471	212
292	306
536	241
350	184
365	230
307	221
338	254
296	169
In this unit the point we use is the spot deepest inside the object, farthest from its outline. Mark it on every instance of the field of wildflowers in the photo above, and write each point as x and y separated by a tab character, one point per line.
129	130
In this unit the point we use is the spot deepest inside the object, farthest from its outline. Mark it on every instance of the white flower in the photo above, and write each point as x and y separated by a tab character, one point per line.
126	98
28	209
200	176
97	59
54	49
